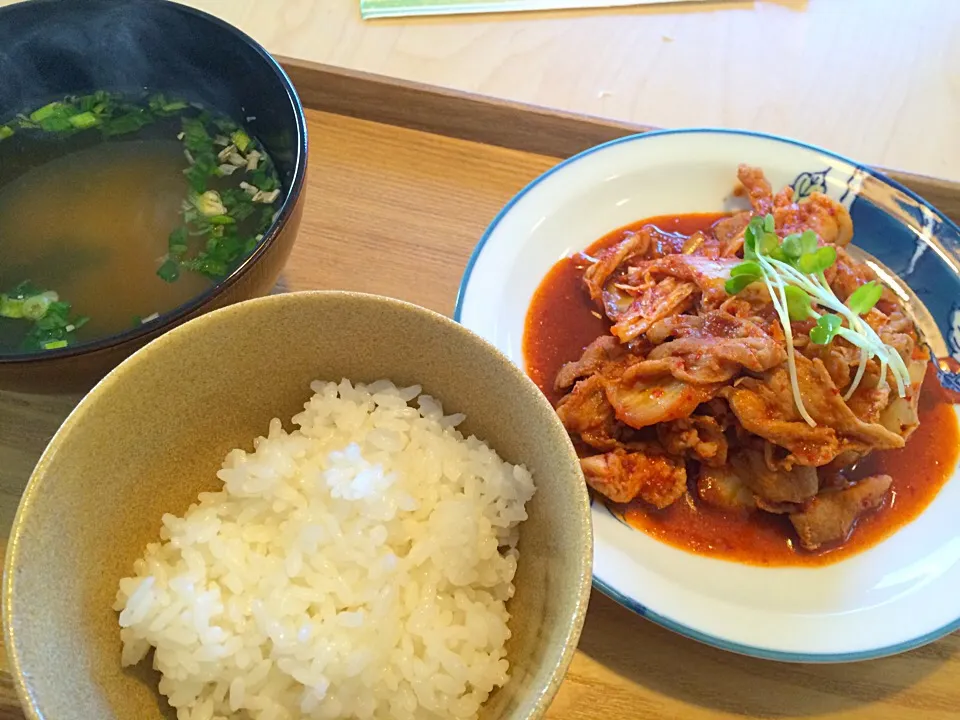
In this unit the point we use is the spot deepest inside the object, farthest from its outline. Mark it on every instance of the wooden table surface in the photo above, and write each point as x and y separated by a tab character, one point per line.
877	80
397	212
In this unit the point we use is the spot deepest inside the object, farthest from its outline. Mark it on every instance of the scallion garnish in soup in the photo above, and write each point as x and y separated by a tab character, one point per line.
48	322
129	206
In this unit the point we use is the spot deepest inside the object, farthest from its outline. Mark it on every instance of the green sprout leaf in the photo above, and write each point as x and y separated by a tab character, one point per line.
742	275
746	268
825	329
735	284
778	254
795	294
798	303
797	245
791	246
750	238
808	241
817	262
865	297
767	243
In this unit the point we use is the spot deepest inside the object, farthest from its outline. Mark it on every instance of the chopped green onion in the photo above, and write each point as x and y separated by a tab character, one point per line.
160	105
227	224
241	140
125	124
209	204
56	124
84	120
169	271
11	307
51	326
177	242
24	290
225	125
195	136
47	111
197	177
36	307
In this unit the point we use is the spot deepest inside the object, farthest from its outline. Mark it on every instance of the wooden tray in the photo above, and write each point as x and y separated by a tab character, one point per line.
402	181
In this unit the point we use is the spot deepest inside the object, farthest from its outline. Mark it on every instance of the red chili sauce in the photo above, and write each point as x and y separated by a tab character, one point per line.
562	321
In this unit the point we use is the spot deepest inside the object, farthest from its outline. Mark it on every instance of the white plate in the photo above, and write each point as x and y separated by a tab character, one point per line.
897	595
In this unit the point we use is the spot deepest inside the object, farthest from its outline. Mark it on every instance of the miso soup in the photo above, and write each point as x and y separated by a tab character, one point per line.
115	210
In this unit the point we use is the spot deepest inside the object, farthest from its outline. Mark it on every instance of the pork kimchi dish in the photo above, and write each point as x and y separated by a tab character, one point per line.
740	385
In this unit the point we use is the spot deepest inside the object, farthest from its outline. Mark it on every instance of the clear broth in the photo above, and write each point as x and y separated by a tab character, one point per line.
92	225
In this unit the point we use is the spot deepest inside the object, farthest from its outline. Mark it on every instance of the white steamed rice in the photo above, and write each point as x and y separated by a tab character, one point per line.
355	567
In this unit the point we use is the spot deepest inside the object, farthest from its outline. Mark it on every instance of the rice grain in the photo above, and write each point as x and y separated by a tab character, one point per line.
358	566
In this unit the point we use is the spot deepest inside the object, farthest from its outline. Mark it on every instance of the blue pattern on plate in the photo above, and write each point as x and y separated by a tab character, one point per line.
920	248
909	239
953	340
807	183
949	380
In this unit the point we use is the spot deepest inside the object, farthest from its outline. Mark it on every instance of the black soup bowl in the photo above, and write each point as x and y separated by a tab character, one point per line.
57	48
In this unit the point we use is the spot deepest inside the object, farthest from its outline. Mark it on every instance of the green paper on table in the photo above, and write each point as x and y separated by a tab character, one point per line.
408	8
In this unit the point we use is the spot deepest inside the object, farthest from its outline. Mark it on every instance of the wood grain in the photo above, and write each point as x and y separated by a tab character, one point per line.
453	113
490	121
397	211
877	80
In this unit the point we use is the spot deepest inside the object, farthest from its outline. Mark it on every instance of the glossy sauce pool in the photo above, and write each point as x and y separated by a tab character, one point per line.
562	321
